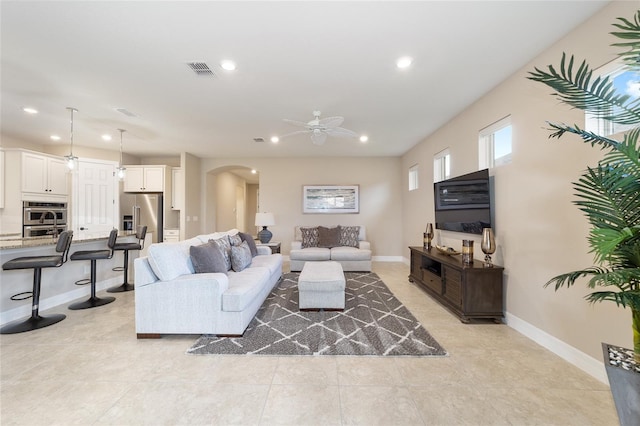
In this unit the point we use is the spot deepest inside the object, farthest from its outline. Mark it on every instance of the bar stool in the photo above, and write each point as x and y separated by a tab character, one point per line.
93	256
141	233
37	263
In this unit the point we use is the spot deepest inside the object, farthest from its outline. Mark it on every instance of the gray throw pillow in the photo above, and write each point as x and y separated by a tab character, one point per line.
328	237
235	240
225	247
349	236
309	237
240	256
207	258
250	242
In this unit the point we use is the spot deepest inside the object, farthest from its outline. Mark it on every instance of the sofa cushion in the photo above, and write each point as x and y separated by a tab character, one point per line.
240	257
225	247
328	237
235	240
311	253
207	258
251	242
273	262
170	260
349	236
350	253
309	237
244	287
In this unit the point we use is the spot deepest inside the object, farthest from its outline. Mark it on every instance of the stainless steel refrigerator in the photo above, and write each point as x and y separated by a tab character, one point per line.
143	209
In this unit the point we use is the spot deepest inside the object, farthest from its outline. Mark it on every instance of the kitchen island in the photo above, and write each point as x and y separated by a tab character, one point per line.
58	284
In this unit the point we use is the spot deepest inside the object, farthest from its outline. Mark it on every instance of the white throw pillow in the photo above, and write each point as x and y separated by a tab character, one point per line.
170	260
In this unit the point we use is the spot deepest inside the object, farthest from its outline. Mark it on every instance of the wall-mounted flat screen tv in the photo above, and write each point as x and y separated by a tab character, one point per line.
463	203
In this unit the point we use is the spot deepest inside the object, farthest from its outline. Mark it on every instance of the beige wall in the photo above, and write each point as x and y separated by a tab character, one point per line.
281	181
191	219
539	232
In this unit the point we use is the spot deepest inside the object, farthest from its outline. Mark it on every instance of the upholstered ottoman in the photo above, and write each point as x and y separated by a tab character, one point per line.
321	286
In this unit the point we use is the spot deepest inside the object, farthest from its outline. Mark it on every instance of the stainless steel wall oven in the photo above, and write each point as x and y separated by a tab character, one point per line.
42	218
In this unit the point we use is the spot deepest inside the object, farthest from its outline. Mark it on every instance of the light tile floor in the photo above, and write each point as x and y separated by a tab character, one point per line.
91	370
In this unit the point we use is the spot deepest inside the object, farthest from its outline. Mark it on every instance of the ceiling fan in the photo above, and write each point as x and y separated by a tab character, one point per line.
320	128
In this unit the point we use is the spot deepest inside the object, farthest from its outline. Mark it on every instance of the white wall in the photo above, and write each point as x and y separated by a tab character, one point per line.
539	232
281	181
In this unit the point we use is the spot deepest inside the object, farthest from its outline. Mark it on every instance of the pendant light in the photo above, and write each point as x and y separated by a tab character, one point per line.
72	160
121	169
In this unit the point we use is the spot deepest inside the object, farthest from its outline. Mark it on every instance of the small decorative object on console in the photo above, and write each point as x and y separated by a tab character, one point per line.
467	251
488	246
427	237
447	250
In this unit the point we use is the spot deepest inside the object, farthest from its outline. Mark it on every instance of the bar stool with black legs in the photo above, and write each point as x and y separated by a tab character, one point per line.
141	233
37	263
94	256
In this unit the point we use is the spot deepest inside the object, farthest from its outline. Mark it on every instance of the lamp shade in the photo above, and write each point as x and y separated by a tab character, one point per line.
265	219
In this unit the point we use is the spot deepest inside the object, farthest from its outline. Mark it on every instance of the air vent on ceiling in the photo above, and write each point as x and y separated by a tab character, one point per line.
201	69
126	112
258	139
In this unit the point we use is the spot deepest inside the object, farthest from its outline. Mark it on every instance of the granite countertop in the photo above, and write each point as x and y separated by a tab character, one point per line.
15	241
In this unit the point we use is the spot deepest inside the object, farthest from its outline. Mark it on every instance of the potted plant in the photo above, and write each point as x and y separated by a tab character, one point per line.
609	196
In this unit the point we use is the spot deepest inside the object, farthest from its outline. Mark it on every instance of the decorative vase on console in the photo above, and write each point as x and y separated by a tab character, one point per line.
488	246
427	237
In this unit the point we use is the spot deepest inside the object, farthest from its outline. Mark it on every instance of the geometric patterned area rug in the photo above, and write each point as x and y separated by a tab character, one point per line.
374	323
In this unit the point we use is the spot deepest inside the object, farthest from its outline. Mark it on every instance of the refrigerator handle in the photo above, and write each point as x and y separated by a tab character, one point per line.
136	217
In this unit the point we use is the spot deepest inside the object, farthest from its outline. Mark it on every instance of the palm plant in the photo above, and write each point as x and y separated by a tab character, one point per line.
609	193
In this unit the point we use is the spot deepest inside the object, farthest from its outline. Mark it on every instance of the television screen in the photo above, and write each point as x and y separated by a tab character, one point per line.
463	203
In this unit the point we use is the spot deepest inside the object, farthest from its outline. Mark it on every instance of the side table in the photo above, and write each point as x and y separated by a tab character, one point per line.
273	245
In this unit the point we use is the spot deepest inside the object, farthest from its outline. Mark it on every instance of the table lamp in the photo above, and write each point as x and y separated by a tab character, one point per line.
264	220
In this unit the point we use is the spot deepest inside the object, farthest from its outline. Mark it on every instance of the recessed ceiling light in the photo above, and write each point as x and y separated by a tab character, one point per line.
254	171
275	139
30	110
106	137
55	137
364	138
404	62
228	65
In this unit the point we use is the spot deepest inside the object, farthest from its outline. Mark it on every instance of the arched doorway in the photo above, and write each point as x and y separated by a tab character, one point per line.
231	198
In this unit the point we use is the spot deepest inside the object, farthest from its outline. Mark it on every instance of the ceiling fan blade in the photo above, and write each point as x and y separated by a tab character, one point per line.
331	122
318	138
297	132
341	132
295	122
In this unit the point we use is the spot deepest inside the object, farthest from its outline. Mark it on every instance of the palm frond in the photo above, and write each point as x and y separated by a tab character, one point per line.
630	33
598	98
558	130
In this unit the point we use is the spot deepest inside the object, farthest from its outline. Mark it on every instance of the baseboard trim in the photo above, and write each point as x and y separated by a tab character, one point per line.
58	300
586	363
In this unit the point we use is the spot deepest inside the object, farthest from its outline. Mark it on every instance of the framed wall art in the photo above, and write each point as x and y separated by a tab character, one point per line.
330	199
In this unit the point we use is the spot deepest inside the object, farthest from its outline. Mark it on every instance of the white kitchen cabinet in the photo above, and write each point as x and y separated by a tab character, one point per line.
177	189
171	235
42	174
144	179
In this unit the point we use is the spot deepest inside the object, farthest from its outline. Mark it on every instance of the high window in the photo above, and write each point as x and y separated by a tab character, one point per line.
494	144
442	166
413	177
625	83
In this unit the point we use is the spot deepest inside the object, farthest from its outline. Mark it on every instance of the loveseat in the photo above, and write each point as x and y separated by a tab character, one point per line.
192	287
346	245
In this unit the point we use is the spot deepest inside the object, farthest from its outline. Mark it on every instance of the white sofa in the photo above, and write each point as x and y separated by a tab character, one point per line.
170	298
351	258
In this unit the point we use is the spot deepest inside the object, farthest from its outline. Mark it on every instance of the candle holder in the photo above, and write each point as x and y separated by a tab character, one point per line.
427	237
467	252
488	246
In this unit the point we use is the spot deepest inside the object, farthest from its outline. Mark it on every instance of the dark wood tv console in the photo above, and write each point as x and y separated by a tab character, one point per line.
469	291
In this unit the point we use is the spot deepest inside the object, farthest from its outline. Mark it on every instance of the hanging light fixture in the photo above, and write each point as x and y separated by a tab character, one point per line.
72	160
121	169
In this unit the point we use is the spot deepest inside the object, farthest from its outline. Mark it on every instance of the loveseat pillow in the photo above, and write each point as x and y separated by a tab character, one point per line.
240	256
250	242
349	236
207	258
328	237
309	237
225	248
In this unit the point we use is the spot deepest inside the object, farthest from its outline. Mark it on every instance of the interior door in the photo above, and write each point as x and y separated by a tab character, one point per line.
96	204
